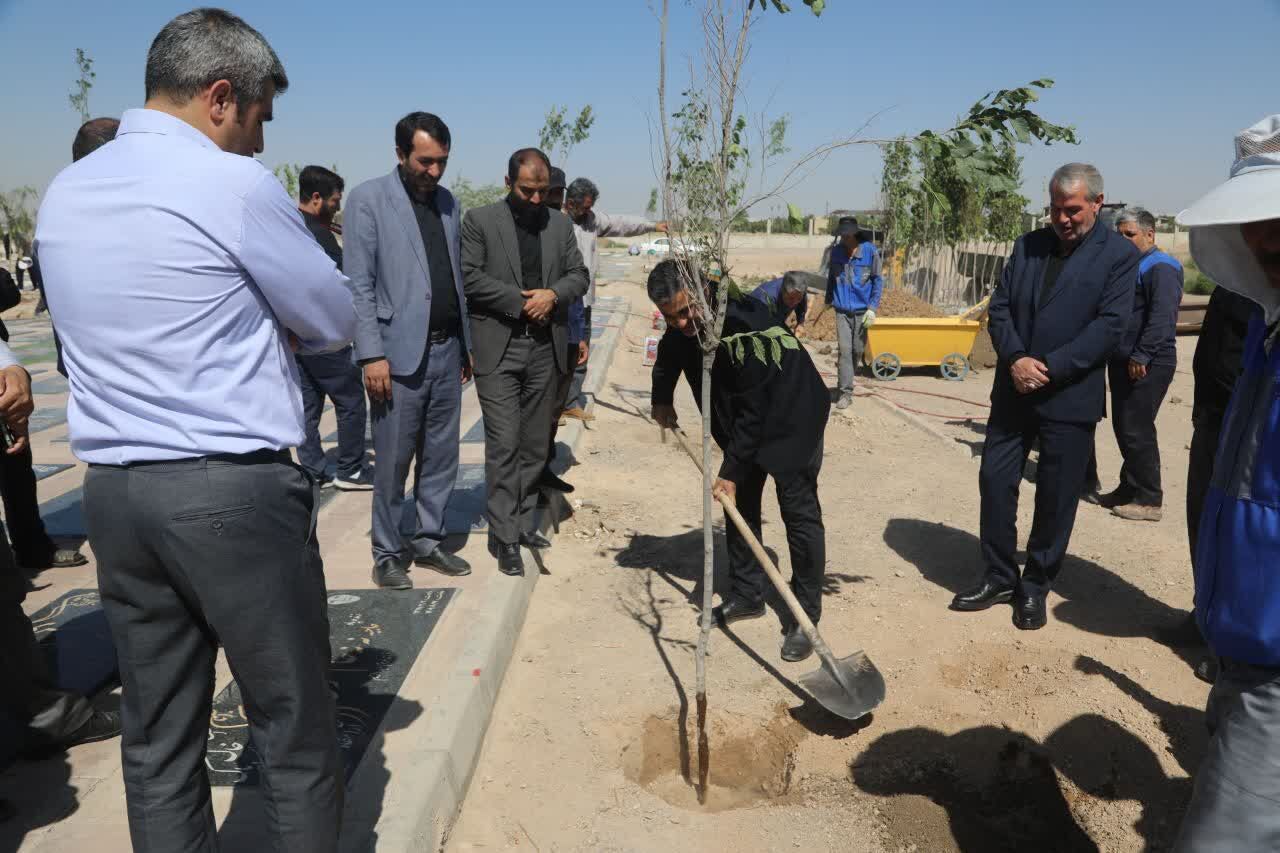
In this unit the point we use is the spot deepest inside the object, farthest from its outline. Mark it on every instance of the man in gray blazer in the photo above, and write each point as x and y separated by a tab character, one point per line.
412	341
522	268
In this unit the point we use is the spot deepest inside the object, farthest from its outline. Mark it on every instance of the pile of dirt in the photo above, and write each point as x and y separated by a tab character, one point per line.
894	303
984	354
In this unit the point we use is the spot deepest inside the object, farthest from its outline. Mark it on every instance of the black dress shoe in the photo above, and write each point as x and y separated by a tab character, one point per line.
535	540
795	645
548	480
736	609
444	563
1029	612
1091	496
509	560
1113	499
391	576
102	725
982	596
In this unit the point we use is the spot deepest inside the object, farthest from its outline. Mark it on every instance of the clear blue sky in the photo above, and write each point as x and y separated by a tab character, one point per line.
1156	90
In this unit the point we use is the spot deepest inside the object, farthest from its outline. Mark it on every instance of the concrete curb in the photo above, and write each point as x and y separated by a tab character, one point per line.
456	720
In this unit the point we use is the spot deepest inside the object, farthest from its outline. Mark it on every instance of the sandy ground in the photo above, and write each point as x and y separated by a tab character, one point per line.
1080	736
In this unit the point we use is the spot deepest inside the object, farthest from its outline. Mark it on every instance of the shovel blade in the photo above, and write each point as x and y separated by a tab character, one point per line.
854	690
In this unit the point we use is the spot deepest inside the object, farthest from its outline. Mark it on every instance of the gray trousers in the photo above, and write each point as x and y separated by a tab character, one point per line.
191	554
1236	802
29	694
517	399
336	376
419	424
852	337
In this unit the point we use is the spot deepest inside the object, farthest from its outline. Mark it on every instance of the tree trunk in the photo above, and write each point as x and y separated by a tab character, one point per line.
708	581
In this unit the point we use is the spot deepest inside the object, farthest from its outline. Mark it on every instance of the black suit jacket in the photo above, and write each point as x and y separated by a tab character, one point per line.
1073	329
767	415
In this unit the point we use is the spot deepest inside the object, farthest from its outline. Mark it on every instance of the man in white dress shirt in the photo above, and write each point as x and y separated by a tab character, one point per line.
181	274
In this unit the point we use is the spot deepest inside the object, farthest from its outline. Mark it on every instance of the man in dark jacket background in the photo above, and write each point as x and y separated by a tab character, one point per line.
769	418
1141	371
1060	311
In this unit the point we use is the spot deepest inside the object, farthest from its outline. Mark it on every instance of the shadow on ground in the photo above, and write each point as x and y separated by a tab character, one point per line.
1094	599
365	782
673	583
999	790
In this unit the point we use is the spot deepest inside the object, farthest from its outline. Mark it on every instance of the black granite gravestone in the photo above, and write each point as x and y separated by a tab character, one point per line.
375	636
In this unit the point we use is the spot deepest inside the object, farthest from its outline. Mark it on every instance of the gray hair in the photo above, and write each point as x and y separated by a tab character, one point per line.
1139	215
793	282
580	189
1074	175
201	47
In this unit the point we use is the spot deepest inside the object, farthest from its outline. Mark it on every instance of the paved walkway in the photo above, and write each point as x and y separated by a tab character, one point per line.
417	674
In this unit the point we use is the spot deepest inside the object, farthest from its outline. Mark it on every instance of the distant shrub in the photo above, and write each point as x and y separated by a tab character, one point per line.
1196	282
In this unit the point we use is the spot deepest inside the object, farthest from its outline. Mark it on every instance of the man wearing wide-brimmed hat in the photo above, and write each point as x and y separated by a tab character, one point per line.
1235	240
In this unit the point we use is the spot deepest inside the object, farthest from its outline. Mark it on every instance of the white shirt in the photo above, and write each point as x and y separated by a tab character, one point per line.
603	225
175	271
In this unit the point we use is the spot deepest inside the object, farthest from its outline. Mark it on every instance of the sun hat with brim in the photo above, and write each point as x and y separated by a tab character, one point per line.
1250	194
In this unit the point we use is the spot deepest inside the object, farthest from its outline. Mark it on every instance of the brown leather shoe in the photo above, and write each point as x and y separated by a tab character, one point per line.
1138	512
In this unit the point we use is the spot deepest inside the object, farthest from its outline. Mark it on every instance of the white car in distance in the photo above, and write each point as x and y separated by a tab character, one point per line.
663	246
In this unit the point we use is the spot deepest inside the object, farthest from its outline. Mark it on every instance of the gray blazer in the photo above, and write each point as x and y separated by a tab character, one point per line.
384	257
491	270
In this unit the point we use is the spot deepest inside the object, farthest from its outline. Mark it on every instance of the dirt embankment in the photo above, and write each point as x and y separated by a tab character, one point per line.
894	303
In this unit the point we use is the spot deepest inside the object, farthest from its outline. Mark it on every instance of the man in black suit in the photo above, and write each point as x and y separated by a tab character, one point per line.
521	270
1060	311
769	418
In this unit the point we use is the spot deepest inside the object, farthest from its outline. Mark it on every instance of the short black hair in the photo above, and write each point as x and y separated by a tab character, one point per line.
318	179
521	158
93	134
429	123
665	282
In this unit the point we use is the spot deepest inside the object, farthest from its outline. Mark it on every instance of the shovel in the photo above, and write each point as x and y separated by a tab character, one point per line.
848	687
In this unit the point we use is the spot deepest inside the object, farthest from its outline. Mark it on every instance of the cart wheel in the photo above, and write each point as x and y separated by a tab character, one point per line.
954	367
886	367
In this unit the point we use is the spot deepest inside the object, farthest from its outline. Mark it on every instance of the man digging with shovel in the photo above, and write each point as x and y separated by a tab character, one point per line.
769	418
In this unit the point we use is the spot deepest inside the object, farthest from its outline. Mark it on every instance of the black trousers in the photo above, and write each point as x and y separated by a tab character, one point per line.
196	553
1204	448
29	694
31	544
806	536
1134	406
516	400
1064	455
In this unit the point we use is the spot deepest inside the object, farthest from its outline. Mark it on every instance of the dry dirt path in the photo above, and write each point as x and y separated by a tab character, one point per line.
1080	736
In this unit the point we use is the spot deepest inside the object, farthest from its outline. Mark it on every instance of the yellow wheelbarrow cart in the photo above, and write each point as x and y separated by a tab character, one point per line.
897	342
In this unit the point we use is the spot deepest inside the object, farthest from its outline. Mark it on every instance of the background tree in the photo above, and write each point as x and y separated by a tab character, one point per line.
17	210
80	96
471	195
651	209
559	135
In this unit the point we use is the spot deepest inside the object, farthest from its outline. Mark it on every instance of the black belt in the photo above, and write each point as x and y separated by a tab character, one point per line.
441	336
253	457
536	331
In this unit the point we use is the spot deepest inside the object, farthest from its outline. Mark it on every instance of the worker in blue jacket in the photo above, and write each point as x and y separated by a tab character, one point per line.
1235	240
854	286
1141	371
786	297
